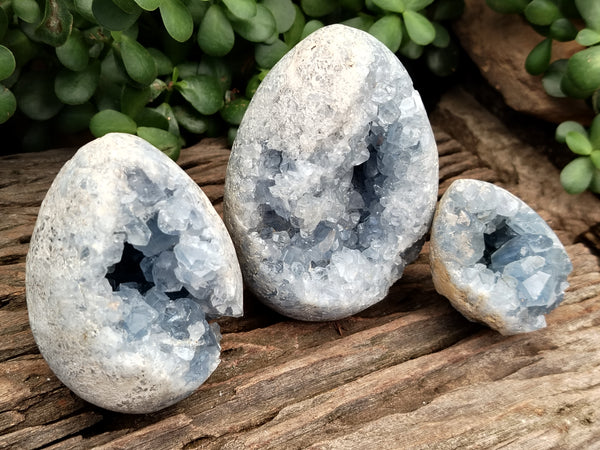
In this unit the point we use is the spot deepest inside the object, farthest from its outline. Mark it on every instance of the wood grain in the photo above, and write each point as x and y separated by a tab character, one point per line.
409	372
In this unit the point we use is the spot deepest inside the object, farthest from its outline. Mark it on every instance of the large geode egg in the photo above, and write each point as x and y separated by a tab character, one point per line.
127	261
332	179
495	258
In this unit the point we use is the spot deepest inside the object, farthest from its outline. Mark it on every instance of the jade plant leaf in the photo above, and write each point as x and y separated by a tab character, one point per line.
293	34
541	12
594	135
566	127
388	30
35	96
584	69
578	143
56	24
552	79
577	175
112	17
138	62
283	11
7	63
149	5
8	104
73	54
177	19
267	55
397	6
590	11
588	37
203	92
317	8
234	110
420	30
538	59
111	121
76	88
166	142
215	35
27	10
259	28
310	27
242	9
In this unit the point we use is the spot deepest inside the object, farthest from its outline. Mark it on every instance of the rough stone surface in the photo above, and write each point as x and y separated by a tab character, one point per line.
127	261
333	177
499	45
496	259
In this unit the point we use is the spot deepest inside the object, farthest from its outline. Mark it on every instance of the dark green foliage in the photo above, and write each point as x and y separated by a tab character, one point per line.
577	77
167	70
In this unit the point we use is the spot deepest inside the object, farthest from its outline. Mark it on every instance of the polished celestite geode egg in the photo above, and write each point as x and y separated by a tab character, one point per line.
333	177
127	261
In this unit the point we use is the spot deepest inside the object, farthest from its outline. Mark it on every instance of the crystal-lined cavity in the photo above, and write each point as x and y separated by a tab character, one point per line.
332	179
495	258
127	263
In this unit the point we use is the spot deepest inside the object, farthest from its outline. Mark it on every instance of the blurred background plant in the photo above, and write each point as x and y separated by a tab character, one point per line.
173	71
577	77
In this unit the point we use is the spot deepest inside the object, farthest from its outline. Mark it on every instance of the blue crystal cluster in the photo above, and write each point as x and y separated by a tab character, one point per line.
332	180
495	258
127	262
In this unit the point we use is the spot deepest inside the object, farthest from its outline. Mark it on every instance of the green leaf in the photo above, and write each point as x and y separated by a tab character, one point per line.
267	56
507	6
166	142
595	157
3	23
442	37
595	132
595	183
76	88
388	30
571	89
292	36
133	100
397	6
149	117
538	59
419	28
164	66
112	17
578	143
234	110
317	8
35	96
584	69
56	24
165	110
203	92
362	22
411	50
563	30
111	121
197	9
73	54
7	63
84	8
113	70
177	19
149	5
138	62
541	12
442	62
577	175
259	28
8	104
284	13
447	10
242	9
217	68
553	78
590	12
252	85
20	45
417	5
215	35
190	119
231	135
588	37
27	10
310	27
566	127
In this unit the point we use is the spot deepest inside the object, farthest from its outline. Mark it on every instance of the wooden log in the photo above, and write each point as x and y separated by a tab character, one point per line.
409	372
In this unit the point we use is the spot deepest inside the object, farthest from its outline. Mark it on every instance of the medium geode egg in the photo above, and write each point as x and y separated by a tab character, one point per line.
127	261
495	258
332	179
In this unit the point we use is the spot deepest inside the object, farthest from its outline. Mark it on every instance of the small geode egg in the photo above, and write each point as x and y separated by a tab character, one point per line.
495	258
333	176
127	261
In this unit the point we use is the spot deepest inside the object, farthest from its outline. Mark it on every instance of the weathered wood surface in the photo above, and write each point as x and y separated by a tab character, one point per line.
407	373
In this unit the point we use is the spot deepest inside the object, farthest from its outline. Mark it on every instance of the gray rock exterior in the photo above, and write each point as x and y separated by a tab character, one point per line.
127	261
333	177
495	259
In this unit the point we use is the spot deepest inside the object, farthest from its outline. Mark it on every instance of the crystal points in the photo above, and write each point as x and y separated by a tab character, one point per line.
332	179
495	259
127	261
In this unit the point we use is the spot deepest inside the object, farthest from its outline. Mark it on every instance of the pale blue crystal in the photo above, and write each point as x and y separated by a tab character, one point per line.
495	258
127	262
